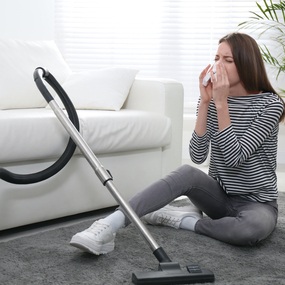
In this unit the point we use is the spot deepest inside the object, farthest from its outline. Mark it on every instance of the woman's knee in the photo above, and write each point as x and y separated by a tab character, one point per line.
255	229
185	169
190	172
245	238
182	175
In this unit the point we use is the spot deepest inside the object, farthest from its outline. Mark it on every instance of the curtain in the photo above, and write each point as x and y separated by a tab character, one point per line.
161	38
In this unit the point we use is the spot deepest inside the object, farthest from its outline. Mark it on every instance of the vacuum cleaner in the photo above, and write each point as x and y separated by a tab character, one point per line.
168	272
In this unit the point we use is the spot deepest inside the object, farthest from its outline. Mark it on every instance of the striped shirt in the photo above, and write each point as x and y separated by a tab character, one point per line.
243	156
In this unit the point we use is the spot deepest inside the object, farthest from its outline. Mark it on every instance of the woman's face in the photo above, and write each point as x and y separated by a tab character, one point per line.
224	55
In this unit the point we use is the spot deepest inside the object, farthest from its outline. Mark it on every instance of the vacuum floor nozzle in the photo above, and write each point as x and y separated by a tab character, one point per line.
171	273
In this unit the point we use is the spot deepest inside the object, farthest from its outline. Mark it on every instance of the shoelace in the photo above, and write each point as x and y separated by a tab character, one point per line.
97	228
167	220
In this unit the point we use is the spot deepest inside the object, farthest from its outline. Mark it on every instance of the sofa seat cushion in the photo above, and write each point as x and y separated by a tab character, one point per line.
32	134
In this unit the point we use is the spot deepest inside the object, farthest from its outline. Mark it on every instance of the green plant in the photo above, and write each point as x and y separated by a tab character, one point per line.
269	22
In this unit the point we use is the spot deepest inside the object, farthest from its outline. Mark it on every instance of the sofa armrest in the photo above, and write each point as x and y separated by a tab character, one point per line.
154	95
163	96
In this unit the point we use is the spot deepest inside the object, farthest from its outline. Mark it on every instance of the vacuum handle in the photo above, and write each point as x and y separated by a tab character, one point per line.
46	94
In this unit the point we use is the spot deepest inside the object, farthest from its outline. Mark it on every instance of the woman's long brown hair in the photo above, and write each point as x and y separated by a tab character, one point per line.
250	65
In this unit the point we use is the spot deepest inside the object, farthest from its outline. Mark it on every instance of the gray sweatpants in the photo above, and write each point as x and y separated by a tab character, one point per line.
231	219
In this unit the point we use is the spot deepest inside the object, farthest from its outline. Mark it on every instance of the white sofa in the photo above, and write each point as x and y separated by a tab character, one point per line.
138	142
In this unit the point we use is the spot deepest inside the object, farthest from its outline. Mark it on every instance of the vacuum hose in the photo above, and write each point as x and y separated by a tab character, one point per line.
71	146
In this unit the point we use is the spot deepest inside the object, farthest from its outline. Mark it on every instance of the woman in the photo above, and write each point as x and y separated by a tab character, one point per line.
238	114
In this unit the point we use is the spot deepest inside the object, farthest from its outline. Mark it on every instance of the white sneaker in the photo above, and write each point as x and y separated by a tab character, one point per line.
97	239
172	216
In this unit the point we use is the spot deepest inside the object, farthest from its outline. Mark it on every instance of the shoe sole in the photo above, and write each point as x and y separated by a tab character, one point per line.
89	245
183	209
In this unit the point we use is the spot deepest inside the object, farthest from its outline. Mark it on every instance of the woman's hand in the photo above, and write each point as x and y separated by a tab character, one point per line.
205	92
218	90
220	85
220	93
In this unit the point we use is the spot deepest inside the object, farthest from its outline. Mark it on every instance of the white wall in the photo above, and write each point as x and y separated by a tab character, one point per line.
27	19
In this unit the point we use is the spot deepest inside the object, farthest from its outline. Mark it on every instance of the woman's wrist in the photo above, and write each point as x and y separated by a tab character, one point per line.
221	105
204	104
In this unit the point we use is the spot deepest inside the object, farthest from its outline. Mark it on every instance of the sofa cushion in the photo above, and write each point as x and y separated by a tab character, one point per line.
102	89
19	59
31	134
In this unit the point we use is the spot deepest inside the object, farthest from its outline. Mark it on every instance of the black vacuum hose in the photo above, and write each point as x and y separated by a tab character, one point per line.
71	146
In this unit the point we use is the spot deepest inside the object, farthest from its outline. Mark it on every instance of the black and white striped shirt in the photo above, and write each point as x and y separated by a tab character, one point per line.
243	156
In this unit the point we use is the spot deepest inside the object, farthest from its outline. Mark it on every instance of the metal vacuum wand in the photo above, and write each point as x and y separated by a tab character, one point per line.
104	176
